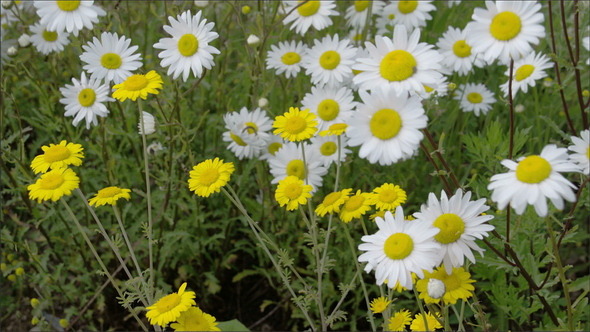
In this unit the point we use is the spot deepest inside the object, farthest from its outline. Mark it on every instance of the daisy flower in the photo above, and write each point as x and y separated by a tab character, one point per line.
84	100
399	320
505	29
247	132
399	248
385	21
379	304
387	126
457	285
111	58
312	13
329	148
295	125
169	308
71	16
209	176
332	202
329	60
286	58
401	63
388	197
331	105
460	222
289	161
292	192
147	124
274	144
194	319
533	179
431	320
188	49
475	98
526	72
581	149
56	156
136	86
457	54
411	14
438	89
355	206
356	15
53	185
335	129
48	41
109	195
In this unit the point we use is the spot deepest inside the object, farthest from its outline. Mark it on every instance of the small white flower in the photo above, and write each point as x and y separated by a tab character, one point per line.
286	58
457	54
312	13
84	100
331	105
70	16
48	41
262	102
436	288
11	51
247	132
329	149
475	98
412	14
526	72
253	40
356	14
24	40
148	126
288	160
329	60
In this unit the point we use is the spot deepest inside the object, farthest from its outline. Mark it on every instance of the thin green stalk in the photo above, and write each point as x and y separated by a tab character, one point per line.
460	316
421	309
445	310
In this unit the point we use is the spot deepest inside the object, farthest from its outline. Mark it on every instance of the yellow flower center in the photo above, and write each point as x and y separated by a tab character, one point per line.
328	148
451	282
357	37
136	82
68	6
338	126
397	66
188	44
388	196
295	125
533	169
451	227
328	109
354	203
406	7
49	35
293	191
51	181
588	153
86	97
330	60
296	167
523	72
398	246
56	153
208	177
290	58
309	8
239	141
360	5
332	198
474	98
111	60
385	124
251	128
461	49
391	16
274	147
505	26
168	302
428	89
108	192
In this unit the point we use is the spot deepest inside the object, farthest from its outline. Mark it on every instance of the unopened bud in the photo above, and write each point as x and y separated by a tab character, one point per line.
11	51
262	102
24	40
246	9
519	108
253	40
436	288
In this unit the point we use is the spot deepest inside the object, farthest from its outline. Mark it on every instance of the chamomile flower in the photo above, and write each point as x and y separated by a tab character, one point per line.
387	126
311	13
332	202
84	100
387	197
289	161
48	41
286	58
194	319
329	148
292	192
209	176
385	21
460	222
505	30
247	132
401	63
379	304
110	58
295	125
53	185
56	156
331	105
533	179
356	14
399	248
526	72
411	14
457	285
457	53
399	320
188	49
581	151
274	144
109	196
71	16
431	320
475	98
355	206
329	60
138	86
170	307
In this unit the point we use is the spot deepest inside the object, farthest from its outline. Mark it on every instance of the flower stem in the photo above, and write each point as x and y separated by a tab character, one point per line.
421	307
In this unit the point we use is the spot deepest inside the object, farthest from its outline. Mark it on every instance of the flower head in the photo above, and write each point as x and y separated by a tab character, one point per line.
457	285
109	195
379	304
332	202
355	206
432	321
170	307
85	100
53	185
388	197
136	86
399	320
58	156
292	192
295	125
194	319
209	176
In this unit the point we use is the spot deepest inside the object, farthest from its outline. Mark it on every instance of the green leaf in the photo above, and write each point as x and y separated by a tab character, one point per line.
232	325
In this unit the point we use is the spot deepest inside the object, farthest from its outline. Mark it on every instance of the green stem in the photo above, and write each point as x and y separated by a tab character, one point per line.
422	312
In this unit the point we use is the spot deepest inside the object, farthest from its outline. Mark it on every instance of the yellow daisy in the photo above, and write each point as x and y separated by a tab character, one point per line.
53	185
379	304
399	320
335	129
109	195
58	156
136	86
355	206
457	285
332	202
295	125
418	322
209	176
388	197
194	319
292	192
170	307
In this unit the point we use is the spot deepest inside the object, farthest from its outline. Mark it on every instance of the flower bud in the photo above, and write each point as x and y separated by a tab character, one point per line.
11	51
253	40
24	40
262	102
436	288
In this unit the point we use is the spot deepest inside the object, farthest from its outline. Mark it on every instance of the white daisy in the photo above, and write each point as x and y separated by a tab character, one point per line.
147	124
399	248
248	132
330	104
387	126
533	179
356	15
526	72
475	98
71	16
84	100
329	60
581	149
286	58
438	89
312	13
111	58
327	148
460	221
506	29
289	161
400	63
457	54
48	41
272	146
412	14
385	21
188	49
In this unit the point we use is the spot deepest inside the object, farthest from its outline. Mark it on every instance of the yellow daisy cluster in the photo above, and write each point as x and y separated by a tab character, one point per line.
209	176
138	86
295	125
292	192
